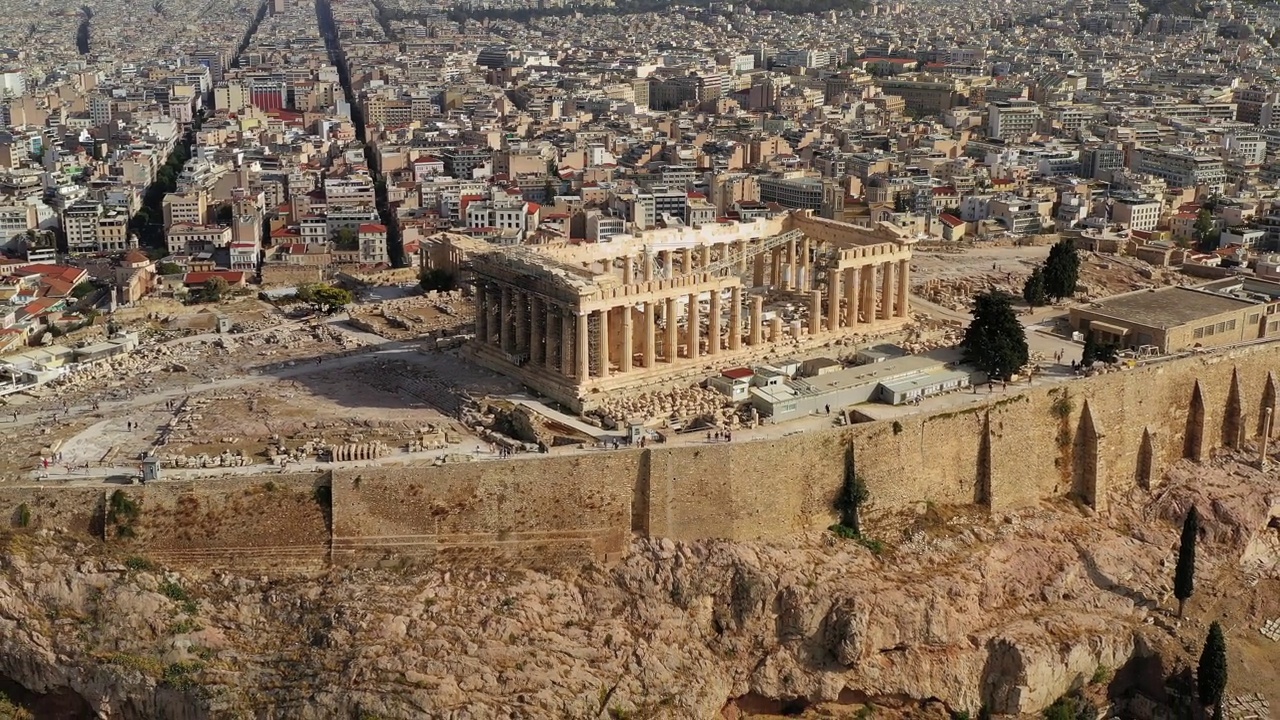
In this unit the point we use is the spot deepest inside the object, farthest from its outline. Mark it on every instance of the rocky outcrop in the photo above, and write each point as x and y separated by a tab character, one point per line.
963	610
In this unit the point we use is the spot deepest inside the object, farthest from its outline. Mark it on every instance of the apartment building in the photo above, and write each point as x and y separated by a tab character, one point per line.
194	238
16	219
1136	213
1182	168
185	207
349	191
1012	119
373	244
92	228
792	192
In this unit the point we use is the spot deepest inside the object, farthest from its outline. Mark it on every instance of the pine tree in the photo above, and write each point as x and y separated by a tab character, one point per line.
995	342
1033	291
1184	582
1211	676
1062	270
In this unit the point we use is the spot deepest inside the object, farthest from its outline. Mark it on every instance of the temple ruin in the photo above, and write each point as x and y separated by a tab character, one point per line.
573	321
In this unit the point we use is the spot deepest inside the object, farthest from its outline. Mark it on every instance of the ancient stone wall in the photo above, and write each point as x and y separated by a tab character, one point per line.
527	511
267	523
1087	438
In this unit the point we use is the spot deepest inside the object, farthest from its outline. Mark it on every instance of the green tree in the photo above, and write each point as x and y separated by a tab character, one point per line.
213	290
852	496
995	342
1095	351
168	268
1184	576
1033	290
1211	675
346	239
1203	227
325	298
1062	270
437	279
1089	355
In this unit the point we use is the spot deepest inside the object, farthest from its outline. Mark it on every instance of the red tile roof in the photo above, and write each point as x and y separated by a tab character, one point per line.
373	228
233	277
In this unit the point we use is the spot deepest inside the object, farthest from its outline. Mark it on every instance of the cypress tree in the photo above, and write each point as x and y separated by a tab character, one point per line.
1090	353
1184	583
1211	676
1062	270
1033	290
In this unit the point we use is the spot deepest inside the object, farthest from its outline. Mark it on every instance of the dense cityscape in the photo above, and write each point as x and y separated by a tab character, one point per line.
624	359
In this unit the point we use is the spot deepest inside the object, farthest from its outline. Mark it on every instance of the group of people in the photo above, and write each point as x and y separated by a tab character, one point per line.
719	435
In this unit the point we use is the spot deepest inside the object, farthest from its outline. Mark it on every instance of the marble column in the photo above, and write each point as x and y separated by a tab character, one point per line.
695	327
815	312
520	308
789	277
566	342
537	349
493	306
602	343
628	270
886	291
833	299
775	267
686	260
805	281
647	259
506	324
713	324
741	249
757	277
904	285
757	317
551	346
775	329
482	316
851	280
735	318
669	340
869	292
582	355
628	338
666	263
650	333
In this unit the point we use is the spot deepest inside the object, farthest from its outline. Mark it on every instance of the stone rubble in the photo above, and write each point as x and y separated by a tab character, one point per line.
688	405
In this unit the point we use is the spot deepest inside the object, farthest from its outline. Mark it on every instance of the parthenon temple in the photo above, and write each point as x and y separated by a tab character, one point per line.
571	321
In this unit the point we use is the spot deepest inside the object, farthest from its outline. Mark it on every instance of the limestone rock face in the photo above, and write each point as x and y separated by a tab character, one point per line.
1007	611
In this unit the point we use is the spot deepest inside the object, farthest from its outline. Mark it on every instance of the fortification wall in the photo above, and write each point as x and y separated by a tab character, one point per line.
74	510
1090	438
524	512
270	522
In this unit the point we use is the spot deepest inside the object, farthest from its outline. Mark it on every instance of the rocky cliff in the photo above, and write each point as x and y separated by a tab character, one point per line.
957	610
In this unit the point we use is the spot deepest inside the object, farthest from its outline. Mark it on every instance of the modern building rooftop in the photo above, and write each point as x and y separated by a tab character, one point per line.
1167	307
